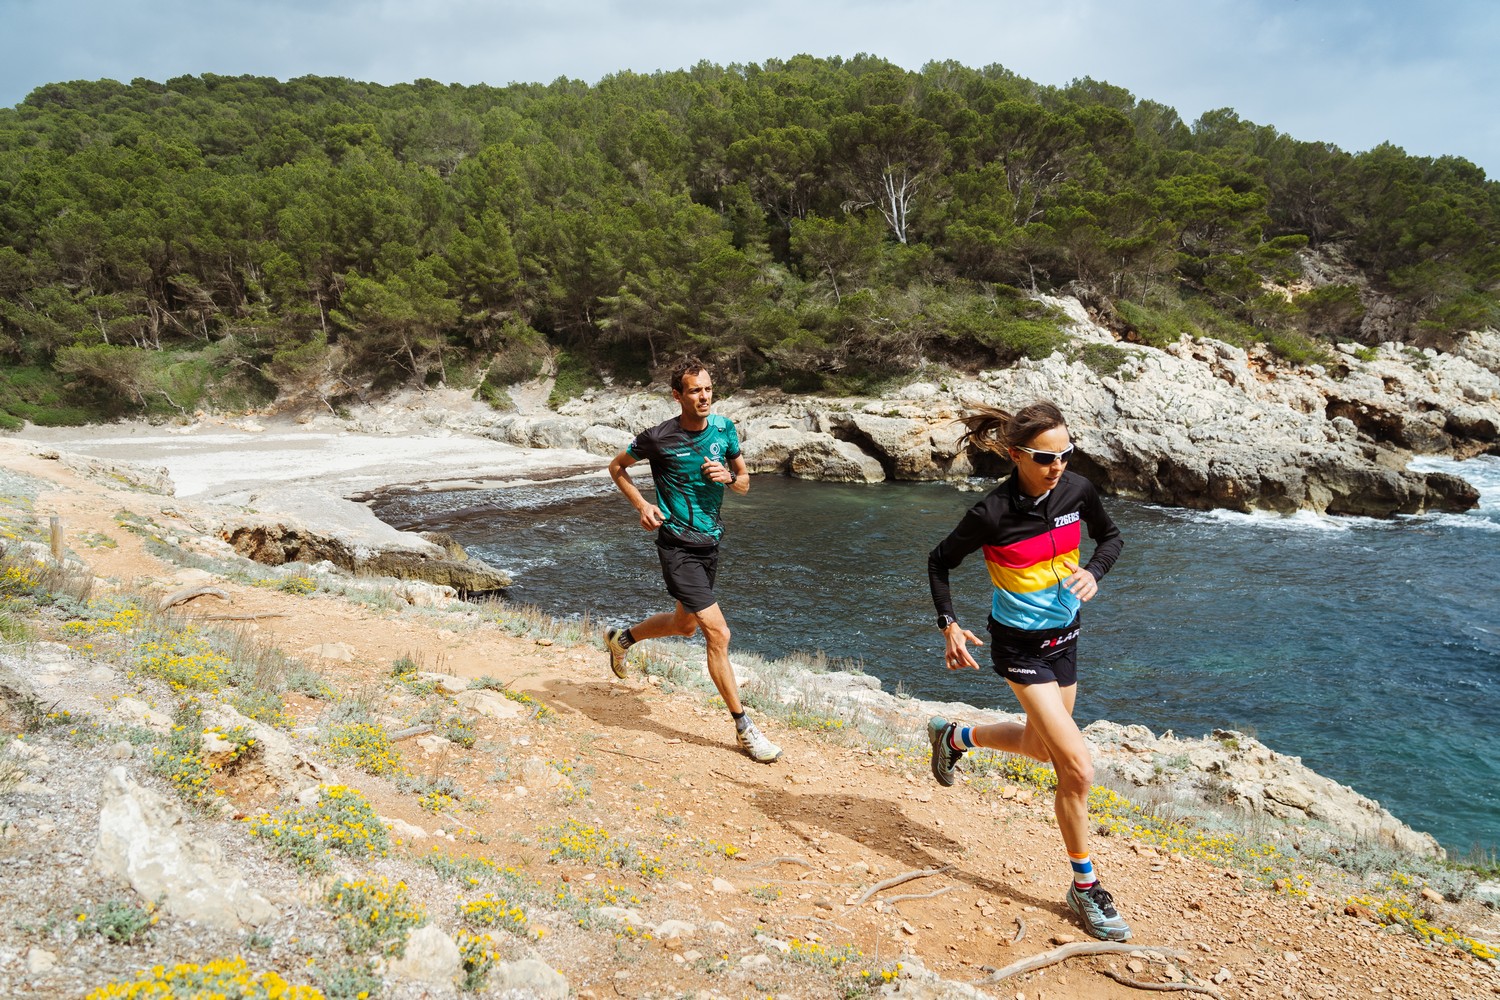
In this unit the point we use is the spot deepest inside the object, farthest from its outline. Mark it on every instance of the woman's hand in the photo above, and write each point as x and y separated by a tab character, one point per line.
957	638
1080	582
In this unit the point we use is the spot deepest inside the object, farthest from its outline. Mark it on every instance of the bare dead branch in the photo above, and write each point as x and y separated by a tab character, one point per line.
1020	931
632	756
1162	987
183	596
895	881
406	734
821	920
782	859
1068	951
893	900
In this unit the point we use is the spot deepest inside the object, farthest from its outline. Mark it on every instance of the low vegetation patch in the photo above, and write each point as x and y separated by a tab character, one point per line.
231	978
341	820
374	915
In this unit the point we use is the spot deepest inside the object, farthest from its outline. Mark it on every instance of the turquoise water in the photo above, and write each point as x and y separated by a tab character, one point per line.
1371	649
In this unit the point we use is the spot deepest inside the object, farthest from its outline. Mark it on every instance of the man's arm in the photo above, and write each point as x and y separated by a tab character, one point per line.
651	517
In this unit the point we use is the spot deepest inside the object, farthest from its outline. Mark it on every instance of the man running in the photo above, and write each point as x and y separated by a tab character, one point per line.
693	456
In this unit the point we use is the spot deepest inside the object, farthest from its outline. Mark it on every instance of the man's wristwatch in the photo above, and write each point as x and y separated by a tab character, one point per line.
945	620
732	477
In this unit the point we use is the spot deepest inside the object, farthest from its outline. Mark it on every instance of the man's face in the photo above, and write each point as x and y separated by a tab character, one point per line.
697	394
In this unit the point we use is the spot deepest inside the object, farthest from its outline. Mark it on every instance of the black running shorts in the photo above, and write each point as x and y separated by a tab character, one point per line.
689	572
1035	657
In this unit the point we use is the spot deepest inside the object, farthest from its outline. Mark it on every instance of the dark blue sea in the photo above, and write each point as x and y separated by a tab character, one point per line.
1371	649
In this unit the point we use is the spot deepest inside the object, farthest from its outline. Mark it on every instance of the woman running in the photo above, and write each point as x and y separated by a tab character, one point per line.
1029	529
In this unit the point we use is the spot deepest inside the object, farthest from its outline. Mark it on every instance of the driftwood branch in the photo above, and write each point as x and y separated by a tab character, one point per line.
1162	987
183	596
632	756
820	920
406	734
782	858
893	900
895	881
242	618
1068	951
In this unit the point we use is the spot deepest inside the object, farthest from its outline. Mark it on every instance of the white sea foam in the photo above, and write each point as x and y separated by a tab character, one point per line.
1484	473
1302	520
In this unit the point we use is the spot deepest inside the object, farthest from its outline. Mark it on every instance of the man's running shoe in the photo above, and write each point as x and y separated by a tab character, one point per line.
944	756
754	742
617	652
1096	908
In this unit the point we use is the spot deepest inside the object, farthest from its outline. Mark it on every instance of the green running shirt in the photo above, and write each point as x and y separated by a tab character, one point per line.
688	499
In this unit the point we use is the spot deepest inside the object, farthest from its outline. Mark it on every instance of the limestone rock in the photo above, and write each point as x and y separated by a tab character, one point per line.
430	956
1231	766
446	683
598	439
150	480
490	704
621	915
420	594
133	712
313	525
1199	424
145	841
270	765
530	977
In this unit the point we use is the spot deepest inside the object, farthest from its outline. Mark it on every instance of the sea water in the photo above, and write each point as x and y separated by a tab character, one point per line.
1369	648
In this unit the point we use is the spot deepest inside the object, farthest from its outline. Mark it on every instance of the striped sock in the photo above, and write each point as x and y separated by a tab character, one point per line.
625	639
962	738
1083	870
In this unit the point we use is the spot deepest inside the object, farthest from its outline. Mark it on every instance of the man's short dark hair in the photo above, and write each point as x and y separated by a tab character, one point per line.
687	366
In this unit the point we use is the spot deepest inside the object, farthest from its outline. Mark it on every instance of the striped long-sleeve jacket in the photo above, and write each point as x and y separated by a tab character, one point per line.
1024	547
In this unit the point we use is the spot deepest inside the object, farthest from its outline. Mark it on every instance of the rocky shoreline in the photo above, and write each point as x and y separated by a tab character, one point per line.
1199	424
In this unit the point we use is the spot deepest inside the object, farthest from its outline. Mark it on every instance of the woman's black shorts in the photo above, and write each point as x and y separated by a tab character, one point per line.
689	572
1027	657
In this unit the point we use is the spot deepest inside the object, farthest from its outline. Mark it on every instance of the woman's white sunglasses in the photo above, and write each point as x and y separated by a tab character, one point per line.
1047	457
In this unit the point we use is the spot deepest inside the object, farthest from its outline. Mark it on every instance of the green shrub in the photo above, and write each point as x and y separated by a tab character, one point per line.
521	357
367	745
1158	329
1298	348
1102	359
119	923
574	376
1330	310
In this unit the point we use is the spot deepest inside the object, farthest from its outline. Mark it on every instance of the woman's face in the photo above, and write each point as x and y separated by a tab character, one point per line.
1038	479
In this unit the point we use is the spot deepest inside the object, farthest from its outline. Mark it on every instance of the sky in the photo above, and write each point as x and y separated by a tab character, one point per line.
1422	75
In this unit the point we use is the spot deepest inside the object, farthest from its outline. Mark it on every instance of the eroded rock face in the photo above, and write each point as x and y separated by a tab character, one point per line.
1199	424
145	841
313	526
1233	768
